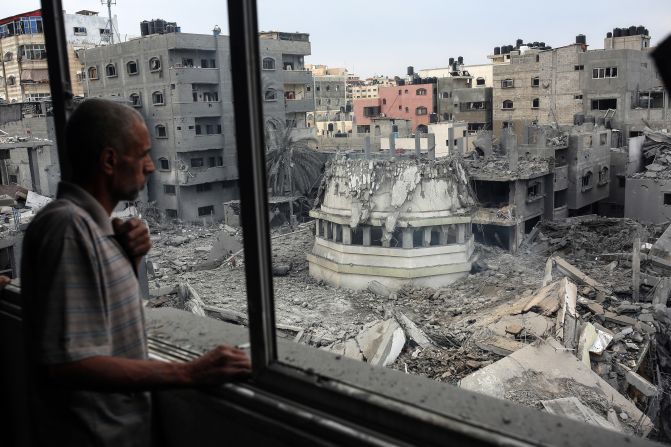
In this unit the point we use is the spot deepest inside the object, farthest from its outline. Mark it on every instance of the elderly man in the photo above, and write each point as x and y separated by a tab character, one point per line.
83	311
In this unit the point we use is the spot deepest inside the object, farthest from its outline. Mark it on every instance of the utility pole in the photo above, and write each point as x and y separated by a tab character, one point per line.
110	22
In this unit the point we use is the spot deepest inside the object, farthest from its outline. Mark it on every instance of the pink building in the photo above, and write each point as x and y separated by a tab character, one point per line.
412	102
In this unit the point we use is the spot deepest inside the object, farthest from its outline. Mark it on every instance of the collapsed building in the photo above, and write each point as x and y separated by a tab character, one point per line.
394	221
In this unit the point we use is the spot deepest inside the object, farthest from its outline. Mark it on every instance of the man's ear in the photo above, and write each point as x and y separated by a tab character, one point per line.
108	160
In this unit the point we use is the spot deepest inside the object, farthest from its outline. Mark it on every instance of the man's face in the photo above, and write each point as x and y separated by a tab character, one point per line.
134	164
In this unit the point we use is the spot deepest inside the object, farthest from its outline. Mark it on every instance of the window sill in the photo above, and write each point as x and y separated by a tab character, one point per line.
133	74
158	104
112	76
511	108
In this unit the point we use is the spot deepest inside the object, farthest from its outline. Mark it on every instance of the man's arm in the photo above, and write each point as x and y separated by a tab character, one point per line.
117	374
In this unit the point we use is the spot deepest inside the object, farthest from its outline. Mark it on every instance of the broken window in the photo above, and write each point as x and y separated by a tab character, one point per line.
268	63
170	213
421	92
8	56
535	81
132	68
604	72
161	131
587	180
169	189
533	190
270	95
33	51
163	164
604	175
648	100
604	104
205	210
535	103
507	83
480	81
507	104
421	110
79	30
110	71
197	162
154	64
157	98
204	187
92	72
507	125
135	100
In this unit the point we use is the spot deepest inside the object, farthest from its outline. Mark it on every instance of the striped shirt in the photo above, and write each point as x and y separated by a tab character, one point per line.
82	299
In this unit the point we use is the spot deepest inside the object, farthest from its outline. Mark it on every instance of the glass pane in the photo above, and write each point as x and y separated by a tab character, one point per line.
422	247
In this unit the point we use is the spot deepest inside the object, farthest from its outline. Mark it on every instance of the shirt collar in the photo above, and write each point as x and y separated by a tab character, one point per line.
83	199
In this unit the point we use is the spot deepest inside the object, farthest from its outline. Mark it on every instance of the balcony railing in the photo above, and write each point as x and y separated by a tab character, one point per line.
197	176
297	77
299	105
189	143
194	75
198	109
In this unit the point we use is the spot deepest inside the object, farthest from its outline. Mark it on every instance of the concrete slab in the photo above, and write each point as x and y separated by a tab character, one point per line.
571	407
381	342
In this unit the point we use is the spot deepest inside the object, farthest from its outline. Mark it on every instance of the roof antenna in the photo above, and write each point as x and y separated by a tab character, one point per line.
110	24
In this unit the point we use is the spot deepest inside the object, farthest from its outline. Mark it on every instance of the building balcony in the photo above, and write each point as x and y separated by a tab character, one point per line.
199	142
299	105
194	75
297	77
197	176
198	109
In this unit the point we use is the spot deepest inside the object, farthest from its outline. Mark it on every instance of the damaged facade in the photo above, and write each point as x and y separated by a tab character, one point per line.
394	221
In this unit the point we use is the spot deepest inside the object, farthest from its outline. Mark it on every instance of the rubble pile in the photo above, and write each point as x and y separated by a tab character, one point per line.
656	155
499	166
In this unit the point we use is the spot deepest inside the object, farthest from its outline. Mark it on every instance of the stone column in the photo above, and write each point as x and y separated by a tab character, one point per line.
443	234
407	237
366	236
346	235
426	237
318	228
325	229
461	233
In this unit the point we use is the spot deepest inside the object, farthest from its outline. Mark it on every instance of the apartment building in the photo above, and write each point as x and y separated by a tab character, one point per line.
24	75
181	84
333	102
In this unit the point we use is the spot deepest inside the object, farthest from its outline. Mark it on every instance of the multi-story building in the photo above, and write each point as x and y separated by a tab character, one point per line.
181	84
482	74
24	75
333	103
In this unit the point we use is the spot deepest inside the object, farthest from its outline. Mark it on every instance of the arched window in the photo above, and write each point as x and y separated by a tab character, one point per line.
268	63
422	129
131	68
535	103
421	92
507	104
135	100
110	71
164	164
480	81
8	56
157	98
270	95
421	111
93	72
603	175
161	131
154	64
446	95
11	80
271	125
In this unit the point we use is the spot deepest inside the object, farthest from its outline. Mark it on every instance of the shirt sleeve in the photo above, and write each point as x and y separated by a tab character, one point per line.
75	323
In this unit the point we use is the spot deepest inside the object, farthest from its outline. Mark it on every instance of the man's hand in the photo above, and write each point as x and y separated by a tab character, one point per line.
222	364
133	235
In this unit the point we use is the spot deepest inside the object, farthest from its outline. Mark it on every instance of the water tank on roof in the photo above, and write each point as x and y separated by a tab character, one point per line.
401	82
497	51
144	28
632	30
411	70
519	43
640	30
535	44
617	32
505	49
646	32
581	39
454	66
460	59
542	44
609	34
451	61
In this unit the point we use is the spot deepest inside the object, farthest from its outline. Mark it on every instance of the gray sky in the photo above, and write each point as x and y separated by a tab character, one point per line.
384	37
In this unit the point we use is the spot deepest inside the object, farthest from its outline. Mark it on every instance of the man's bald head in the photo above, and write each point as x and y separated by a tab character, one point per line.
96	124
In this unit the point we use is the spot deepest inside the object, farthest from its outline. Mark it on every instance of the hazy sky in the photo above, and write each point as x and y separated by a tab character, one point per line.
384	37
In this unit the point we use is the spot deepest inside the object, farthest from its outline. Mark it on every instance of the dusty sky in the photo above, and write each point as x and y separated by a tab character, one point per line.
375	37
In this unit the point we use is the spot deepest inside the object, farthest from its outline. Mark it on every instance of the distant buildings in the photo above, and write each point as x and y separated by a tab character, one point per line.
333	102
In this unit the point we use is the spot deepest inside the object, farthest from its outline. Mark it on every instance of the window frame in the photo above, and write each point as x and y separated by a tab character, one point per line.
137	68
310	403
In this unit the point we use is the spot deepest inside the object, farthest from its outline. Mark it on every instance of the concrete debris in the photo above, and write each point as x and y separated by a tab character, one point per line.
499	345
381	342
379	289
412	331
572	408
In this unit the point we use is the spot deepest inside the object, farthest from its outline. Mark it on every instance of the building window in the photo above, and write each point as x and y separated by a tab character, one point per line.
535	81
92	72
197	162
205	210
535	103
604	104
270	95
169	189
533	190
407	110
13	179
33	51
161	131
135	100
198	129
204	187
507	104
8	56
187	62
421	111
11	80
384	101
578	67
587	181
602	73
157	98
577	97
131	68
268	63
507	125
163	164
154	64
79	31
603	139
667	198
421	92
480	81
604	175
110	71
170	213
507	83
